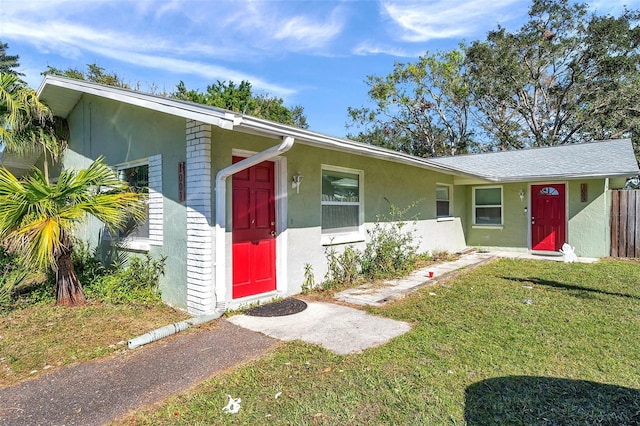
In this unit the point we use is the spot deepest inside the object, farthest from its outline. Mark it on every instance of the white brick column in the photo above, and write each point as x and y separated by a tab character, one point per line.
155	219
200	285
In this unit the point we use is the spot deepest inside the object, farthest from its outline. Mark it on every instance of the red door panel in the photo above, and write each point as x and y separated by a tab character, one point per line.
548	217
253	230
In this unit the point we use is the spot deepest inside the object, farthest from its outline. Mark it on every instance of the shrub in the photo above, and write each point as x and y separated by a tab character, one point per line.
136	283
17	282
343	267
390	250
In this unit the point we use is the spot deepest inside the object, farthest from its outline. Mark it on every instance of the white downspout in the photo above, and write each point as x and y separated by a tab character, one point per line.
221	209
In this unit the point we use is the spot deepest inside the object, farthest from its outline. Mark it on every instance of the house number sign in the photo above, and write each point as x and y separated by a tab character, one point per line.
182	193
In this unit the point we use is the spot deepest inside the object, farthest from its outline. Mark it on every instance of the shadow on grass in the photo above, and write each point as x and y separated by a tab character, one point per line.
571	287
526	400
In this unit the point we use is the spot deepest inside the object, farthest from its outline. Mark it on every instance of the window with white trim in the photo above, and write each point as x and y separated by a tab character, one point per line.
341	201
137	177
145	176
487	205
443	201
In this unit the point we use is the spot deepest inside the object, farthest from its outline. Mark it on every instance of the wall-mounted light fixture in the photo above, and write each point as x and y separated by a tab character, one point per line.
522	195
296	180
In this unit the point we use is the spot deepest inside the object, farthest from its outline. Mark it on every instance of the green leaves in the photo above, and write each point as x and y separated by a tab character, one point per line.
37	217
241	99
421	108
566	76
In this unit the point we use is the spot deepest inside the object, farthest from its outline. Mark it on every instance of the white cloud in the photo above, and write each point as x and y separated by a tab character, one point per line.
421	21
72	41
613	7
208	71
367	48
305	32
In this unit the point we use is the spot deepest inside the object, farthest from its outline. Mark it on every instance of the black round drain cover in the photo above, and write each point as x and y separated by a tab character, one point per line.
278	309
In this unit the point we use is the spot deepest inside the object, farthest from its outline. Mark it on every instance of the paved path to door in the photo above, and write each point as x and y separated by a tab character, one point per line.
95	393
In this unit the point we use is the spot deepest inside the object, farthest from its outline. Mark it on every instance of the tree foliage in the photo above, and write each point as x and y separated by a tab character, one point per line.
9	63
37	218
27	124
421	108
94	74
240	98
566	76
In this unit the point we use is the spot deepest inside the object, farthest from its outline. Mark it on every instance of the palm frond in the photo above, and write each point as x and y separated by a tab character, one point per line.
35	215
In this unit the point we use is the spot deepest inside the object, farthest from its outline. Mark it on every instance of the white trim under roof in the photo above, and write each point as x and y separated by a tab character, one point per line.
55	91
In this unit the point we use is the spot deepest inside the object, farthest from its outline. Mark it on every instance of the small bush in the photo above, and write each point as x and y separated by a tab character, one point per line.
87	266
17	282
344	268
309	279
390	250
136	283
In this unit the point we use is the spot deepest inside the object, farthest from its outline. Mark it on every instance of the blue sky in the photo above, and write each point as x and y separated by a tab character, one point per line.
312	53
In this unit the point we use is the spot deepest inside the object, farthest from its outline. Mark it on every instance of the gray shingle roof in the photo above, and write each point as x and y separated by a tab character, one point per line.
610	158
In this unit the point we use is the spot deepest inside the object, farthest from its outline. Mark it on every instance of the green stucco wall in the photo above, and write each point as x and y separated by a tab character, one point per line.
400	184
587	222
123	133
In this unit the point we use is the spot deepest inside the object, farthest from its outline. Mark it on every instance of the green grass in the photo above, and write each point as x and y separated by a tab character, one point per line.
43	337
511	342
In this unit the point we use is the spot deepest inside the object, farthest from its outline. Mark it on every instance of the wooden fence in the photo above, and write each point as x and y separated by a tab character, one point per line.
625	223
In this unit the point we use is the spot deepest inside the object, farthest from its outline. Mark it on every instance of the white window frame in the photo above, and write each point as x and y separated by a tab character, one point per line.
501	205
449	214
329	238
154	202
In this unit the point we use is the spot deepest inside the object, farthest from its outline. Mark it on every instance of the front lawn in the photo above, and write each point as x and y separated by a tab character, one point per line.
44	337
511	342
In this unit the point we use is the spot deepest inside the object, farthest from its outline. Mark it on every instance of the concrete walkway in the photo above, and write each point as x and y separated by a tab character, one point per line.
340	329
377	294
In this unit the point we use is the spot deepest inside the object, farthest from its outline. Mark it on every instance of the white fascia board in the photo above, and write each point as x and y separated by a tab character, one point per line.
220	118
569	176
260	126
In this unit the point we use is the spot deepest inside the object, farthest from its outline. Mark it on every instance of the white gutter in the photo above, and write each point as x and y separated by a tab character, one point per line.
221	210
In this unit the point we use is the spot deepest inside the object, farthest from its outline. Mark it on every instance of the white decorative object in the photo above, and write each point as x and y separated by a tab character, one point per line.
569	253
233	406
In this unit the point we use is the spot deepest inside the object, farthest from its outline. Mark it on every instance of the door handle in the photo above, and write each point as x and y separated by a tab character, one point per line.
273	233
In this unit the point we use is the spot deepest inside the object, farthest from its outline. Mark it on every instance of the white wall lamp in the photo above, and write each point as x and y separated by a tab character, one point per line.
522	195
296	180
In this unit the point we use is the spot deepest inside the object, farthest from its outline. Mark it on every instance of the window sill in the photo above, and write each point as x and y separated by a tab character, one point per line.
487	227
445	219
333	239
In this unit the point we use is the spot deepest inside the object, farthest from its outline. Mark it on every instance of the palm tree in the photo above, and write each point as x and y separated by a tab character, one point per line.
37	218
27	124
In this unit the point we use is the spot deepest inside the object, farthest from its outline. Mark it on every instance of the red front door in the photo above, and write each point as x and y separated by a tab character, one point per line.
548	217
253	230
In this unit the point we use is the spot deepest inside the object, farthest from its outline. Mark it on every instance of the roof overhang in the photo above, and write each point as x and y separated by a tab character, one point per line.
19	165
62	94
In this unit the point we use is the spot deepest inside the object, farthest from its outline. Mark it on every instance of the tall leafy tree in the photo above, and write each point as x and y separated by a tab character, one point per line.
9	63
565	76
37	218
240	98
421	108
